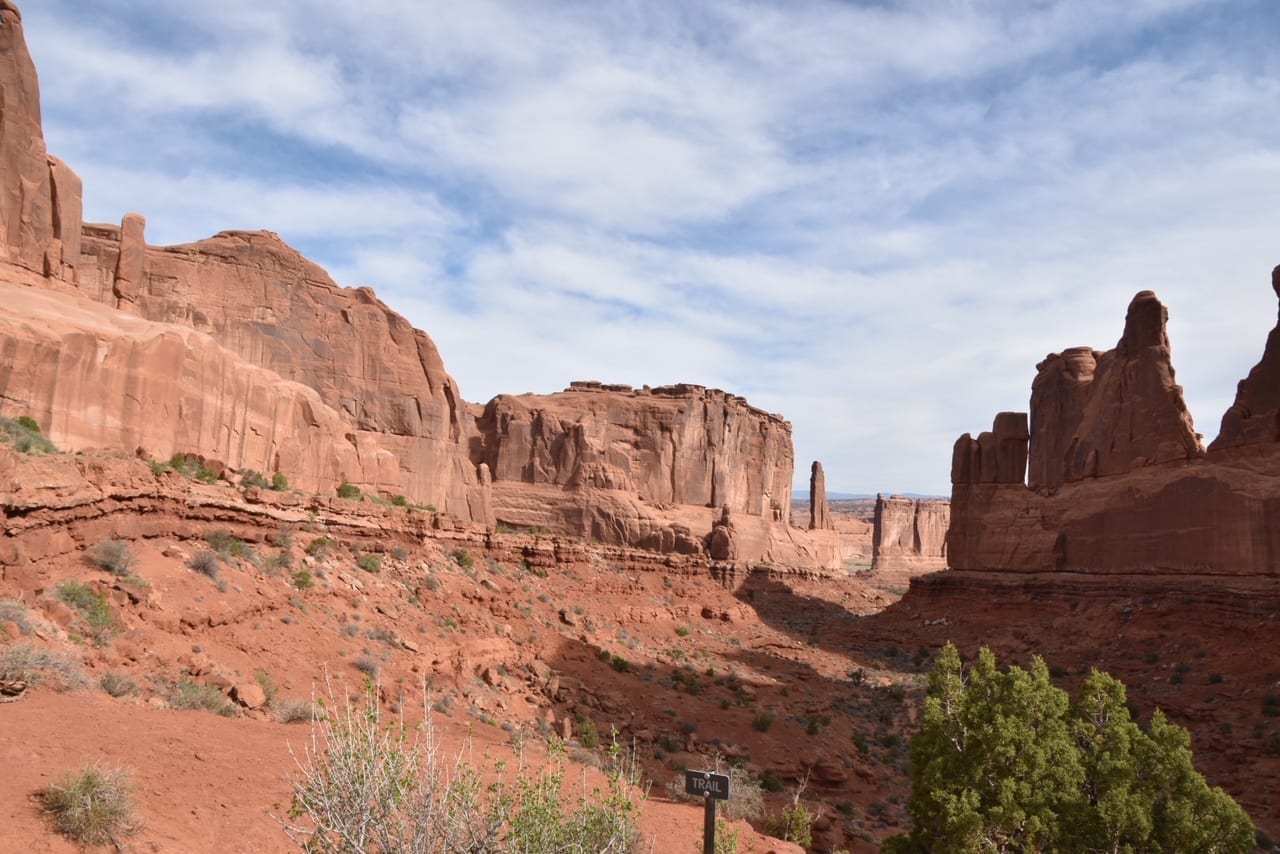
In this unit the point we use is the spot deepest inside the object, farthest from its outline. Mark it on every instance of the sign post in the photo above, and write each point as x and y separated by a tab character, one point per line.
713	787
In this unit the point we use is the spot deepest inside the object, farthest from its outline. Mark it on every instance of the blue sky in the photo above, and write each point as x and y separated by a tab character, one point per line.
872	217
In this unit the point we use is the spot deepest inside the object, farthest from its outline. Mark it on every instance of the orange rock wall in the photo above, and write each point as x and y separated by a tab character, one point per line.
1120	483
910	533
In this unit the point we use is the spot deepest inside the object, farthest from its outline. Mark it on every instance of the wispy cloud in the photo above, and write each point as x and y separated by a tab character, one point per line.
874	218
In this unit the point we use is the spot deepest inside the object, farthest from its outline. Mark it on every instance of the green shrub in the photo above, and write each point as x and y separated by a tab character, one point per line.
227	546
94	610
349	490
93	807
1005	759
23	433
463	559
302	580
794	824
770	780
24	662
117	684
399	501
370	563
206	563
114	556
249	477
190	695
364	785
279	482
763	721
588	735
320	546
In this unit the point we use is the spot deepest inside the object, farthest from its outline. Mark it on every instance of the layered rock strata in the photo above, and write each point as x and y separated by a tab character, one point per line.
819	507
910	534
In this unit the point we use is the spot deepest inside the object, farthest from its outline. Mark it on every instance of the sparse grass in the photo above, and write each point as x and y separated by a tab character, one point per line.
93	607
18	614
35	665
118	684
190	695
93	807
23	433
114	556
206	563
293	711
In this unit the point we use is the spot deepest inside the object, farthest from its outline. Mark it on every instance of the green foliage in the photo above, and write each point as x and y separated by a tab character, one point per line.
463	559
302	580
795	824
349	490
399	501
93	607
279	482
366	785
94	807
370	563
23	433
114	556
763	721
249	477
1005	762
588	735
190	695
227	546
320	546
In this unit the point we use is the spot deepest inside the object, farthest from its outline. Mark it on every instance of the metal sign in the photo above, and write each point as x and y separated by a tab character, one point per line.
707	783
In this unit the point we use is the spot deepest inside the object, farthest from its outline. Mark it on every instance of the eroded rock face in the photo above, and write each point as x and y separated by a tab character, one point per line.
1119	482
819	507
263	301
1254	417
680	444
40	197
910	533
1101	414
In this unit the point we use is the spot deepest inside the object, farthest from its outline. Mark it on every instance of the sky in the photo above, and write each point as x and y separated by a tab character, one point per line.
874	218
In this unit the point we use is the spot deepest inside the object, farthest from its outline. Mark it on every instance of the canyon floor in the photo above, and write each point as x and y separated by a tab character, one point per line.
809	680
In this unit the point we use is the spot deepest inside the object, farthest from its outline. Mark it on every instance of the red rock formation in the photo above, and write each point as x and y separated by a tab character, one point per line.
1094	415
819	508
910	534
1254	417
40	197
1134	492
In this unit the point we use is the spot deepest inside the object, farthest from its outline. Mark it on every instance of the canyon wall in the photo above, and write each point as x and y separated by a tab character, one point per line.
239	349
1119	480
910	534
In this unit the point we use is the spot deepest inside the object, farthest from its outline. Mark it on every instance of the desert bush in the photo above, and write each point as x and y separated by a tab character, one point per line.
366	785
794	824
114	556
94	610
24	662
302	580
190	695
320	546
227	546
463	559
250	477
370	563
349	490
399	501
762	722
588	735
117	684
279	482
18	614
206	563
93	807
367	665
23	433
294	711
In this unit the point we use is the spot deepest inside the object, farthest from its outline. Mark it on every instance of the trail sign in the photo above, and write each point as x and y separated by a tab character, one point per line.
707	783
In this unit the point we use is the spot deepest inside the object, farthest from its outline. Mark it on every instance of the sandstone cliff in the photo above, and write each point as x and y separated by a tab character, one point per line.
819	507
1122	485
40	197
239	349
910	534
